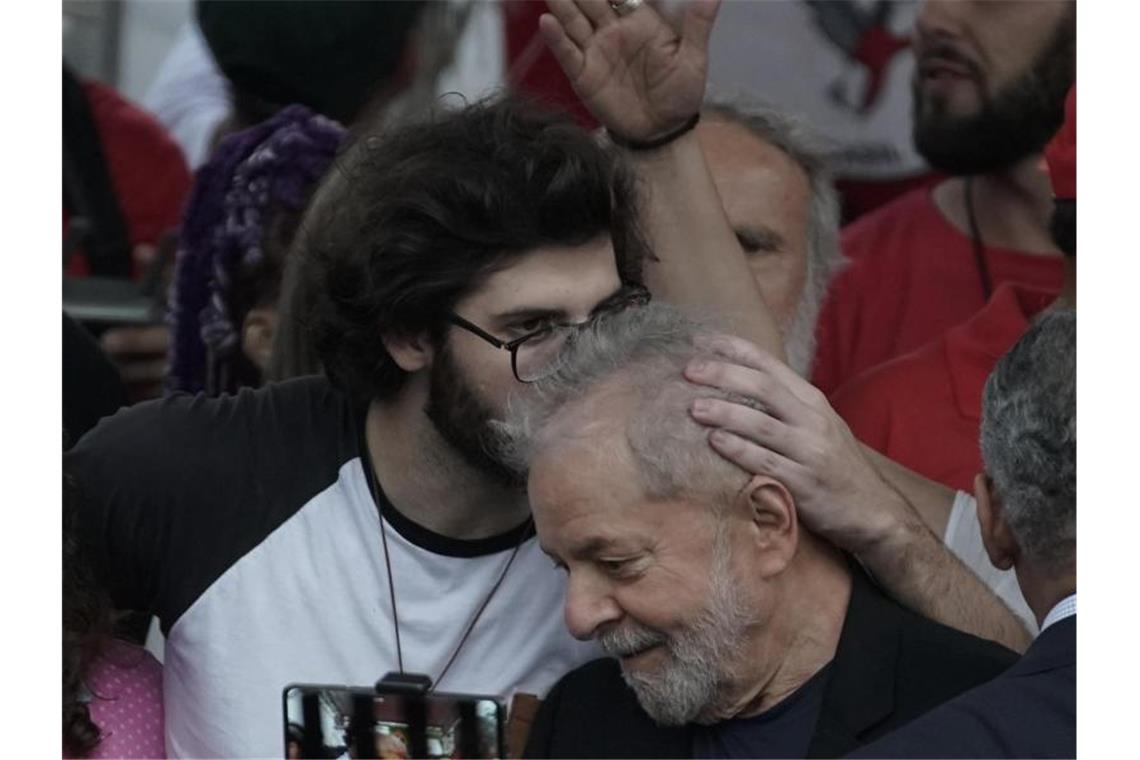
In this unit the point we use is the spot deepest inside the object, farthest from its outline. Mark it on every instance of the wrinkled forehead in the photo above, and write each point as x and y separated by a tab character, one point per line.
760	186
587	468
588	497
731	147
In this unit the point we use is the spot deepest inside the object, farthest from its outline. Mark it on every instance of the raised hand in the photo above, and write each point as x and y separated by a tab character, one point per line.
634	73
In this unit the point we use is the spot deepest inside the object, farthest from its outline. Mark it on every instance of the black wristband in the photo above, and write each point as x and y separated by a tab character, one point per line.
656	142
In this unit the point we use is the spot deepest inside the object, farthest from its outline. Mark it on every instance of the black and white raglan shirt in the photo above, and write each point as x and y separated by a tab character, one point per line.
245	523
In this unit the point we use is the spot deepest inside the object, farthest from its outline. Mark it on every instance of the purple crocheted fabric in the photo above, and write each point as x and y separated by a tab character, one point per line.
277	163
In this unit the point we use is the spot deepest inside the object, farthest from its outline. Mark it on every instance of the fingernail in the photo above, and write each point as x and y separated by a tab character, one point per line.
700	406
698	366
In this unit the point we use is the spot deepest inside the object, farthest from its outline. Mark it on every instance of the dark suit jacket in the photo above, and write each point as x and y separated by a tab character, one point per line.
1029	711
890	666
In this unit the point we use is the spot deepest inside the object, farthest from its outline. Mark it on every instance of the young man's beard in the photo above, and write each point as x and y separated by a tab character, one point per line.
1012	124
463	420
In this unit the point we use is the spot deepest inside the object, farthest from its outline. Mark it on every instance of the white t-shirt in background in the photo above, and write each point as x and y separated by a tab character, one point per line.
963	536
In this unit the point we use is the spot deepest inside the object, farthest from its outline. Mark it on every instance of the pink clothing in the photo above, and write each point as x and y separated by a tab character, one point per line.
126	703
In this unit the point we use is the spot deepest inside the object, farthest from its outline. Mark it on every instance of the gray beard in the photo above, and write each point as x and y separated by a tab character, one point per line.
799	336
695	683
798	333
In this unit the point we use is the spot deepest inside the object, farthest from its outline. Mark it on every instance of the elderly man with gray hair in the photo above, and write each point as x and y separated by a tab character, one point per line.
733	631
774	179
1027	509
772	174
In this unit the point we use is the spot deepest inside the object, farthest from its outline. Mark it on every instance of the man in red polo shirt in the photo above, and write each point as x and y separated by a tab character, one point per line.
923	410
988	94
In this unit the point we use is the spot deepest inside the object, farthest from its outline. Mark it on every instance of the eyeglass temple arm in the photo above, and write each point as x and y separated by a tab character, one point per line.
474	328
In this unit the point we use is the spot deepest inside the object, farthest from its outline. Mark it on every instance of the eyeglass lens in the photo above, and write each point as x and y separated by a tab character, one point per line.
535	357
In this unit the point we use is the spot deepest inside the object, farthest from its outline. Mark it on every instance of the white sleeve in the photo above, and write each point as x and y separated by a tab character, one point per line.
963	537
189	95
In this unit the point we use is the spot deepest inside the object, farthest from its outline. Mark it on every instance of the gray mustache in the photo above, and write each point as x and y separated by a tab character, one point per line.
621	642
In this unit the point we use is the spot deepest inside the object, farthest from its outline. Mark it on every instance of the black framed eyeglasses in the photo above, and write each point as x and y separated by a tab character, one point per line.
533	354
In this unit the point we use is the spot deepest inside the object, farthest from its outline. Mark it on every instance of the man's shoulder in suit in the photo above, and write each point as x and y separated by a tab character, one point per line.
1028	711
949	659
891	666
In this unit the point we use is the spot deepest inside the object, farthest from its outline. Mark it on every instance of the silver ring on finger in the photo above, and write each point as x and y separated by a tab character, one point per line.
626	7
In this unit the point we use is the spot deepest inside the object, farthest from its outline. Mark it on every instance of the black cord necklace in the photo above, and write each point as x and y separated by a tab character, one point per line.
374	490
976	241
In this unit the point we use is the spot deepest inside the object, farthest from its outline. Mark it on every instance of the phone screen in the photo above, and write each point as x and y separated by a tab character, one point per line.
347	722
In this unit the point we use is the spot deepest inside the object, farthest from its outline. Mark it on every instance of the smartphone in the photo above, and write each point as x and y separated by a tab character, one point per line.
324	721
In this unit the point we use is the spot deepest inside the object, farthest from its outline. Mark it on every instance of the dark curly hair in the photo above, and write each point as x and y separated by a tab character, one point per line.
409	222
87	628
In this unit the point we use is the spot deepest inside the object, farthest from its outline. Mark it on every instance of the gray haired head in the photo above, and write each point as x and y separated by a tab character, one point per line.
631	361
1029	439
796	139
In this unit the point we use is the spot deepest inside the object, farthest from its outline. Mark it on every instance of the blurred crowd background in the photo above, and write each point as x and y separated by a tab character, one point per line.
164	82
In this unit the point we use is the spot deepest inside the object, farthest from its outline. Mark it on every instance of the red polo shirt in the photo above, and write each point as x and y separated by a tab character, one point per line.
923	410
912	277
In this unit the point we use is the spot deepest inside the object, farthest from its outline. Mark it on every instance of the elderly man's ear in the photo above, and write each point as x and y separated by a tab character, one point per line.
997	538
772	523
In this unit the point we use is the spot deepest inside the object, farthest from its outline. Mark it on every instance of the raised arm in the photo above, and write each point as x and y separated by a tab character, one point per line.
796	437
644	82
